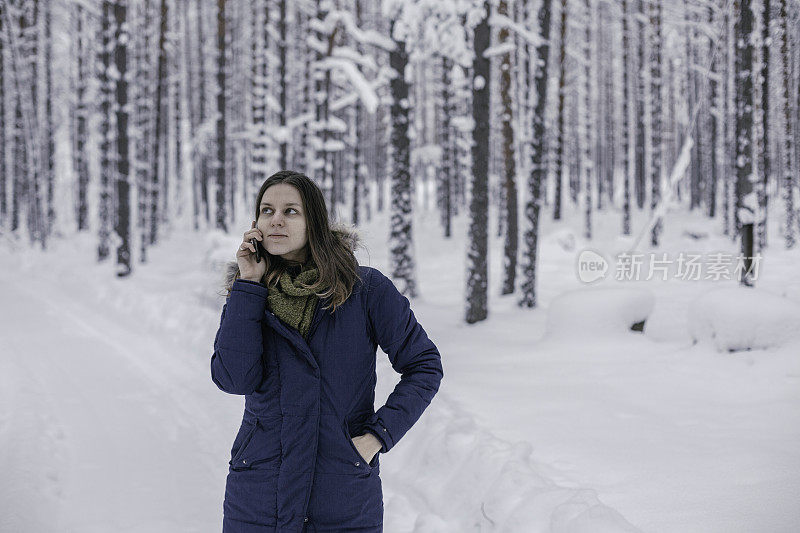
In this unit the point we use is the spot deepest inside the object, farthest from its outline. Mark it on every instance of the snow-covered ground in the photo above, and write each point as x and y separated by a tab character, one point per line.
545	421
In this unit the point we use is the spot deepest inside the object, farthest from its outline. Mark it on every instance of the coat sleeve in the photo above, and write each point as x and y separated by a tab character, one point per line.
412	354
237	365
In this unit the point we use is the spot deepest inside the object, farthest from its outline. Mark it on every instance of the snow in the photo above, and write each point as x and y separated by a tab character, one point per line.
596	312
499	49
363	88
502	21
677	173
557	418
742	318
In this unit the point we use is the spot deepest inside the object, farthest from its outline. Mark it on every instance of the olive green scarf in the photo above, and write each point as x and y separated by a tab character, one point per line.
290	301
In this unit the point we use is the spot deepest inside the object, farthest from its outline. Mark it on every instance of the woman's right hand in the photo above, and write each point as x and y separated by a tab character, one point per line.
249	269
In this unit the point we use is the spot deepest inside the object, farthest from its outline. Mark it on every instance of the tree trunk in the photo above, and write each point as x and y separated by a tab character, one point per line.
122	220
538	169
745	192
159	137
764	144
401	237
259	91
219	164
477	274
641	96
562	83
655	75
787	185
448	148
107	167
587	161
509	170
626	120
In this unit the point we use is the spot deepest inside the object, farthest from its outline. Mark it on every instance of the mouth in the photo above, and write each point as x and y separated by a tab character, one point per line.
276	236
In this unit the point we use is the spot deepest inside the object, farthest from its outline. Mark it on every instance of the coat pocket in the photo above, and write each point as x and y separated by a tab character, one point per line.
359	460
260	447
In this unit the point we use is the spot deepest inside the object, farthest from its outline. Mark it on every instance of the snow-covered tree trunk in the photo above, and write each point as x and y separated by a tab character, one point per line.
538	168
204	108
35	155
509	169
764	139
641	104
107	134
122	218
175	137
4	189
788	184
357	130
463	141
609	106
401	242
626	121
598	104
305	159
587	161
448	149
80	155
48	138
561	133
477	239
259	90
729	110
691	20
144	116
715	109
703	124
159	137
221	221
575	146
322	164
746	201
283	162
655	80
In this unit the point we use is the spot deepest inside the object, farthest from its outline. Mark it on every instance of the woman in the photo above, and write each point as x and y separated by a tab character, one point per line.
298	337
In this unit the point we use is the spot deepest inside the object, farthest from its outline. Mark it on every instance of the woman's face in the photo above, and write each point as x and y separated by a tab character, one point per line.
282	220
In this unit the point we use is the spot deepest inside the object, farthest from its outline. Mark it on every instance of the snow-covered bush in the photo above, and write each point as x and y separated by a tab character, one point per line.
742	318
598	312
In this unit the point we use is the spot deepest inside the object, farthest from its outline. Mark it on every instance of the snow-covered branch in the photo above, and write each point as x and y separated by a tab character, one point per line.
502	21
336	16
498	50
678	171
357	80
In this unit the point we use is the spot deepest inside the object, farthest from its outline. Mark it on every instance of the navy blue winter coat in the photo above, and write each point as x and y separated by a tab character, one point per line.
293	464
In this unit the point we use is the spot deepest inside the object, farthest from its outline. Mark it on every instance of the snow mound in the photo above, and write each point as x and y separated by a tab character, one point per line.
459	477
597	312
741	318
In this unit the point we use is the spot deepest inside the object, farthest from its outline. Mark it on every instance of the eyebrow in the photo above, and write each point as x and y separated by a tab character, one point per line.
269	204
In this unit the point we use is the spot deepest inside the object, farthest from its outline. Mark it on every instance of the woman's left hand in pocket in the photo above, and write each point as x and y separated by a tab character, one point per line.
367	445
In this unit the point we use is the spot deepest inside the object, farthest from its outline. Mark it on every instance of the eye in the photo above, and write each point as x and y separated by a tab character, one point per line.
291	209
265	209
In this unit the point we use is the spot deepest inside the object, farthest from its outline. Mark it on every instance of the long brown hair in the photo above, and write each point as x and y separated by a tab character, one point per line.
329	250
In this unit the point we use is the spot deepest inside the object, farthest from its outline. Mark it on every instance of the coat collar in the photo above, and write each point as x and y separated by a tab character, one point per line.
294	337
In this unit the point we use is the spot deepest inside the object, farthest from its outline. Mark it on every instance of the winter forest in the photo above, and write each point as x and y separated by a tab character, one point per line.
516	166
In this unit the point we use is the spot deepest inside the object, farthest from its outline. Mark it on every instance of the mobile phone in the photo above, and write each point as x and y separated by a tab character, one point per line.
257	245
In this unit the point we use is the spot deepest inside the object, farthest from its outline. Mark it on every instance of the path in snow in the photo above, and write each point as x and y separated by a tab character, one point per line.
94	439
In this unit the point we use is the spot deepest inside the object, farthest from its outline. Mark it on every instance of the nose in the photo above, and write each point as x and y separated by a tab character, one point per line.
277	219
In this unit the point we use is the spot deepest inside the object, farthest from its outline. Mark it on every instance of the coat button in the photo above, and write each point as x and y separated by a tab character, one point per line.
305	519
357	463
384	430
244	461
